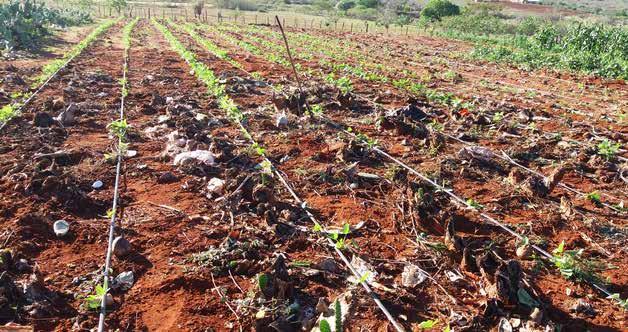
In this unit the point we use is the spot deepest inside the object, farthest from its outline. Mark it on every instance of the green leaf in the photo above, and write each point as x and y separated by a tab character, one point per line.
525	298
301	263
338	314
324	326
560	249
428	324
262	280
317	227
93	301
340	243
346	229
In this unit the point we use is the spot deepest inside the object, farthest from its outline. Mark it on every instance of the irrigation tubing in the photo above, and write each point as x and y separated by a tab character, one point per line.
28	100
114	209
303	204
459	199
505	157
509	159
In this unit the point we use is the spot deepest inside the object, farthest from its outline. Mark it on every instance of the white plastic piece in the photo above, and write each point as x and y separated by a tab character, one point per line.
412	276
364	269
203	156
281	120
200	117
61	228
215	186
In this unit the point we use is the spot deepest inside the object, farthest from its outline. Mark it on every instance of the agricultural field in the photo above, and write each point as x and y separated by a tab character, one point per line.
164	174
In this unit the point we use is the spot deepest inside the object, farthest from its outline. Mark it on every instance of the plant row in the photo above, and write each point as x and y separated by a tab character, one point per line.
227	105
606	148
570	262
118	129
313	44
50	70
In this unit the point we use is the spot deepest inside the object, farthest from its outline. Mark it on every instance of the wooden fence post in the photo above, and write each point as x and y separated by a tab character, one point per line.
351	27
367	27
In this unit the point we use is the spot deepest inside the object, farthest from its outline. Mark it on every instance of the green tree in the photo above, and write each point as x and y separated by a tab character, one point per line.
324	5
437	9
345	5
368	3
117	5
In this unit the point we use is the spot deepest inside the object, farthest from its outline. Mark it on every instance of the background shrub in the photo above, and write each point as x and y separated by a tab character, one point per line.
25	23
434	10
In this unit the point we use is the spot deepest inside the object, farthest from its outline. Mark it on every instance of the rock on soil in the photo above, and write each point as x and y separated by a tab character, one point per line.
167	177
121	246
43	120
68	117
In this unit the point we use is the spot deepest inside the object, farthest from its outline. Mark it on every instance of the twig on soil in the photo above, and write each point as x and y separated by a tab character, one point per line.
166	207
234	281
232	219
56	154
186	237
566	187
224	298
8	238
453	299
239	187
